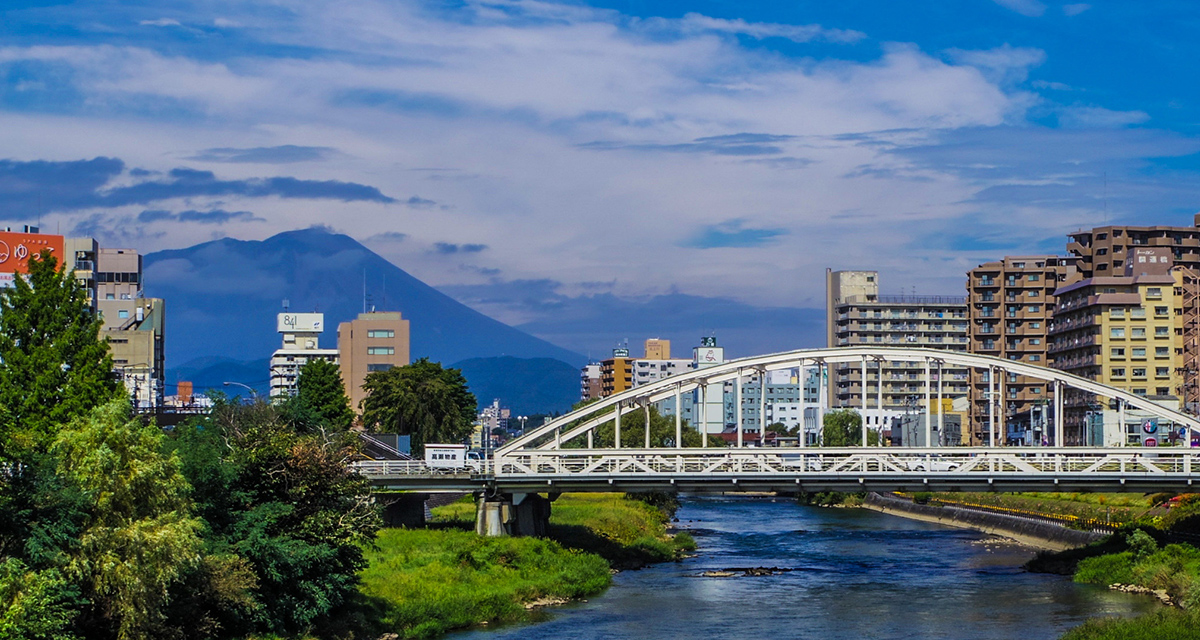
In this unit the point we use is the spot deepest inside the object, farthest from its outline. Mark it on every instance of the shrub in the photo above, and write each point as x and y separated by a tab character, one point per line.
1114	568
922	497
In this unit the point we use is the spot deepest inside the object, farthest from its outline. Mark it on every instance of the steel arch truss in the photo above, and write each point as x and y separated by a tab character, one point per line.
586	420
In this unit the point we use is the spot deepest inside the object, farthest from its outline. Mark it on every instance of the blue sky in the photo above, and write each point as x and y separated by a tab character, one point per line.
601	154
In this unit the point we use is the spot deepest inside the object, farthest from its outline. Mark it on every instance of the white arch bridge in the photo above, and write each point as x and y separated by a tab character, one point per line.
563	455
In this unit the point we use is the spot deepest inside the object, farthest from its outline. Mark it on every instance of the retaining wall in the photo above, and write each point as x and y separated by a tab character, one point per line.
1043	535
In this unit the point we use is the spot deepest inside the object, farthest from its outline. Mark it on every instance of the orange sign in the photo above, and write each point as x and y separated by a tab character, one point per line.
17	248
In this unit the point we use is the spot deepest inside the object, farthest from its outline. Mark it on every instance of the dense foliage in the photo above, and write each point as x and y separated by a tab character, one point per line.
321	396
843	428
422	400
246	522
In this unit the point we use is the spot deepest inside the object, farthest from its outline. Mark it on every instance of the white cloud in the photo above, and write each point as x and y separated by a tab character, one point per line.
160	22
1030	8
1075	9
1085	116
695	23
226	23
504	99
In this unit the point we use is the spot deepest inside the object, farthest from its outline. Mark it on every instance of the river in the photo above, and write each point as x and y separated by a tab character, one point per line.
856	574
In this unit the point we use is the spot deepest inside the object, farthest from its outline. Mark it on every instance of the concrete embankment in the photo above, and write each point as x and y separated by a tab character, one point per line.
1027	531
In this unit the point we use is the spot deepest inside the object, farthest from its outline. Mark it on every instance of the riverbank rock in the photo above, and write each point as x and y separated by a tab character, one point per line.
745	572
545	602
1160	594
718	574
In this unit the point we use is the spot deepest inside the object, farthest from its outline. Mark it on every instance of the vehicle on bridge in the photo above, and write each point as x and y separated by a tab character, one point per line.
450	456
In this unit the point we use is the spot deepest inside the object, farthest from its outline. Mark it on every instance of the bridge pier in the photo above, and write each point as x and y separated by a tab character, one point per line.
512	514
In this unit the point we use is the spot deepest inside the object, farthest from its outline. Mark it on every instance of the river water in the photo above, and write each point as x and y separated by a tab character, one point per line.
856	574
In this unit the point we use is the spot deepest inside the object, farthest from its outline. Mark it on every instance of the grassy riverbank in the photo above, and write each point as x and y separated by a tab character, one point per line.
422	583
625	531
1104	507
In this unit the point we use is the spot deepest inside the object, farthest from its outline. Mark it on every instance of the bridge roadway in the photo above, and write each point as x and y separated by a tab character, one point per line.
803	469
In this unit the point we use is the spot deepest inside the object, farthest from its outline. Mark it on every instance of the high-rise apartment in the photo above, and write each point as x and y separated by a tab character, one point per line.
301	334
1105	251
135	327
859	315
1011	302
658	349
375	341
1124	331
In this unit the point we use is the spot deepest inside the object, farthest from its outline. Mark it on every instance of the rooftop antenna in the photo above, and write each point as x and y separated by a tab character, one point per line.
364	290
286	303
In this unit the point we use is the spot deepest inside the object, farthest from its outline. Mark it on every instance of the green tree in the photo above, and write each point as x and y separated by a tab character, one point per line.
423	400
843	428
34	605
139	538
281	505
633	432
321	395
53	366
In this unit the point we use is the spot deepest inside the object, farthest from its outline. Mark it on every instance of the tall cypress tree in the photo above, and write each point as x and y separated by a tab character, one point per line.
53	365
319	392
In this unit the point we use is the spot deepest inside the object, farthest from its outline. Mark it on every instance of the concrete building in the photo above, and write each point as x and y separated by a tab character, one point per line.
1124	331
1011	302
858	315
658	349
375	341
589	382
301	334
616	373
1105	251
135	327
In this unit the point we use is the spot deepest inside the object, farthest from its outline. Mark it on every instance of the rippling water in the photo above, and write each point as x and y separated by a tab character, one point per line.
855	574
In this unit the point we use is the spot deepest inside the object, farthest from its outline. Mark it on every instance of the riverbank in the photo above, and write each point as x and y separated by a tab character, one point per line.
1028	532
421	583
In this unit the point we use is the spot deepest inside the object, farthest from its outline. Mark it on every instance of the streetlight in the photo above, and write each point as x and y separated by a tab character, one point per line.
522	419
253	393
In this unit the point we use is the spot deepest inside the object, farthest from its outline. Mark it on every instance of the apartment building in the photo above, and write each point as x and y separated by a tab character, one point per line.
301	335
1011	305
1105	251
589	381
858	315
375	341
616	373
1124	331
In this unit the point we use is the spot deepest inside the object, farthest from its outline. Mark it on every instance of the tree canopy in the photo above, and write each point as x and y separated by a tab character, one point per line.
843	428
321	396
53	365
423	400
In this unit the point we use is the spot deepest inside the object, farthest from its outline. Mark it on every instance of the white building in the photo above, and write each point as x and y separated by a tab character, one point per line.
301	342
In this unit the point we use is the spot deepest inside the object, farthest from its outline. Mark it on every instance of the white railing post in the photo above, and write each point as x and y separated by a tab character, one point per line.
762	407
678	417
737	405
864	401
942	439
1121	419
646	411
879	397
803	431
1059	423
991	406
617	428
703	414
928	407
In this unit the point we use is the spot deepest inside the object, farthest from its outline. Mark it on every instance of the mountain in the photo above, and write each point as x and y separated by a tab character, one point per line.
525	385
222	298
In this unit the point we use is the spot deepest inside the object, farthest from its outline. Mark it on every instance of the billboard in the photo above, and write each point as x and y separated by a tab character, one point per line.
1150	432
17	248
301	322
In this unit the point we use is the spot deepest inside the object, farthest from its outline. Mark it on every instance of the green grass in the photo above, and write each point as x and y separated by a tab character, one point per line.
423	583
1112	507
625	531
1164	624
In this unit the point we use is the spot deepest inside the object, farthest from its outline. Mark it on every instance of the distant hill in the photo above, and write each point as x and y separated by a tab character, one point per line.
525	385
222	298
210	373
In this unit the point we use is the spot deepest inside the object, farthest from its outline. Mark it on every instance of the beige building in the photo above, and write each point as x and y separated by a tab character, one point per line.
375	341
1011	302
135	327
1124	331
301	342
658	349
859	316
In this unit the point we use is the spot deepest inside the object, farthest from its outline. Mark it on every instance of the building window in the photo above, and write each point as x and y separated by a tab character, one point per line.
1035	390
1154	293
1033	277
1116	312
381	351
1162	332
1139	372
1137	312
1138	332
123	313
1161	311
373	368
1035	341
1118	352
1162	352
381	333
1116	332
1139	392
1035	325
1018	265
1034	308
1035	358
1139	352
1162	372
1117	372
1032	293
